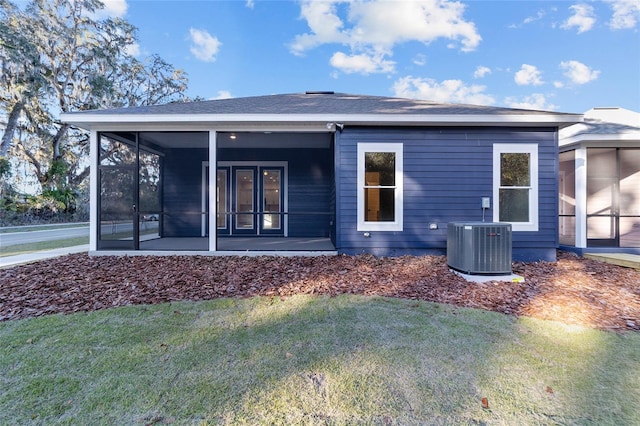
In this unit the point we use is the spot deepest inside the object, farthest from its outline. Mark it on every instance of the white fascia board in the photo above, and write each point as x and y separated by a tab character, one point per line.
600	139
205	127
88	120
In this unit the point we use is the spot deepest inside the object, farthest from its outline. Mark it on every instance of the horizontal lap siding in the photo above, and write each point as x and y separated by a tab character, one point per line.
310	187
182	192
446	172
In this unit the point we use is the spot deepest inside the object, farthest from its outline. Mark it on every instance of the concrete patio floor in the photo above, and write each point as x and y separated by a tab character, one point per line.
239	244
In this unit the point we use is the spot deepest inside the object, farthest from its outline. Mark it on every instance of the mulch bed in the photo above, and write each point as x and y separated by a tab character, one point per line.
572	290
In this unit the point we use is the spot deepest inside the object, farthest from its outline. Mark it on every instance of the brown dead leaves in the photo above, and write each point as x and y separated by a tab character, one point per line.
572	290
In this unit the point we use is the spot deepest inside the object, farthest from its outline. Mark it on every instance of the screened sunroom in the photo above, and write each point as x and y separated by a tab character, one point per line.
599	183
273	191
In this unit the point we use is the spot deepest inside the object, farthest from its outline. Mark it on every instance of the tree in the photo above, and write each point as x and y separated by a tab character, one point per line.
20	79
56	56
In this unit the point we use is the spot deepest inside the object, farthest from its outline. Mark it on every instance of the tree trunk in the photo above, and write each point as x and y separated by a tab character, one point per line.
57	140
12	123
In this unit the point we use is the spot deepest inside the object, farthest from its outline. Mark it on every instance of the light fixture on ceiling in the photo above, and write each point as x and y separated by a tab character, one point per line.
232	136
335	126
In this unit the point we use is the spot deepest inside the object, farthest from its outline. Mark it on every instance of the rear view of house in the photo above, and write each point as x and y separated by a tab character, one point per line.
319	172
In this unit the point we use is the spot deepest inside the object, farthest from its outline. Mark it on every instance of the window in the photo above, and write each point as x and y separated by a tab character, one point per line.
379	187
515	185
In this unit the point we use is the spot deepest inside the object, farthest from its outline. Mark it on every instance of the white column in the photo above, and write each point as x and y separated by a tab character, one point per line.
94	150
213	191
581	197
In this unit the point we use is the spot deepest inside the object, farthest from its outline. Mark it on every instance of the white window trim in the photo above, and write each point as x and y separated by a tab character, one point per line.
397	224
532	149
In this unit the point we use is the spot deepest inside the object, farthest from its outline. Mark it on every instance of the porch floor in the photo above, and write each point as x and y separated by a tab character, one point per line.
620	259
239	244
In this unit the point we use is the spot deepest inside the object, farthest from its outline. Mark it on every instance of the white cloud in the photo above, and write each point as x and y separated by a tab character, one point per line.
626	14
528	75
578	72
204	46
530	19
250	4
539	16
535	101
481	72
363	63
448	91
583	18
223	94
111	9
132	49
324	23
378	25
420	59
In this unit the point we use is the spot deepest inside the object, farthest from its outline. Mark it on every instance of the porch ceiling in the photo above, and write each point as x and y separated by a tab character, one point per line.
242	139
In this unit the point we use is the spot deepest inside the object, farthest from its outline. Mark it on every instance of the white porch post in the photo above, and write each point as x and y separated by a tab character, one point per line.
94	150
581	197
213	191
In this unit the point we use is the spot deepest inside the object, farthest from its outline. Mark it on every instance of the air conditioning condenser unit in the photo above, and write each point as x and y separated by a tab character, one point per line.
479	247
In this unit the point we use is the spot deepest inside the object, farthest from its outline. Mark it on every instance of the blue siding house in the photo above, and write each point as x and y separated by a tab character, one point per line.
317	173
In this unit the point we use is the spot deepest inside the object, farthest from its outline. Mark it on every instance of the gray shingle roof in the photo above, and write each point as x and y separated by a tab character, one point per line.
598	127
315	103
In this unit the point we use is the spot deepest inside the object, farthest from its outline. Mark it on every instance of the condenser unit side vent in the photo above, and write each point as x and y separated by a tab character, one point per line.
479	247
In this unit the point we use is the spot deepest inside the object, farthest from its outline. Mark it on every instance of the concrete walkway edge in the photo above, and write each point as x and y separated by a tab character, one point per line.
9	261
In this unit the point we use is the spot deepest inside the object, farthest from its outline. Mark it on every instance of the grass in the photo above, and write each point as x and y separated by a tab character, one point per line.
313	360
10	229
17	249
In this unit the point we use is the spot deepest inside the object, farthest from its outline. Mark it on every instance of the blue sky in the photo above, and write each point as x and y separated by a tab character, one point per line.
564	56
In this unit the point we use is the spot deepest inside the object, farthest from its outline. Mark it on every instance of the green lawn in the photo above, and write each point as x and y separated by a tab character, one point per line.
16	249
313	360
8	229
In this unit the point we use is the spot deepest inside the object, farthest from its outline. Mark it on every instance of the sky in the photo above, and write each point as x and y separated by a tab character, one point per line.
567	56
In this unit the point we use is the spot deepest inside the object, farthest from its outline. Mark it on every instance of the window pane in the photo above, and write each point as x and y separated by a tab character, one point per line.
630	182
221	198
271	199
630	232
116	153
601	195
149	185
601	163
116	205
601	228
380	168
244	198
567	229
567	184
514	169
379	204
514	205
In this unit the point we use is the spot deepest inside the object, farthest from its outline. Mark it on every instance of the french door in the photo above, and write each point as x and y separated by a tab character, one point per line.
251	200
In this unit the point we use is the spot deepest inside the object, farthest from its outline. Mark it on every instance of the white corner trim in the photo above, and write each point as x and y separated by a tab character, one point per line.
94	150
581	197
213	190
